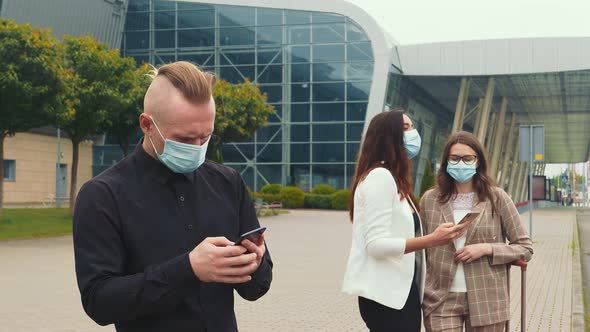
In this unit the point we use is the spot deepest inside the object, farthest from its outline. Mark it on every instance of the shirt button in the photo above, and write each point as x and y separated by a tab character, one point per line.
189	227
181	198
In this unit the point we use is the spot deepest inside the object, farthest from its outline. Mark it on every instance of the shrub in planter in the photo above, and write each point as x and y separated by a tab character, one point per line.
323	189
273	188
292	197
269	198
318	201
340	200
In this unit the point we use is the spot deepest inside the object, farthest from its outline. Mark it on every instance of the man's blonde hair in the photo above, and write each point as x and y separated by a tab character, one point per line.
194	84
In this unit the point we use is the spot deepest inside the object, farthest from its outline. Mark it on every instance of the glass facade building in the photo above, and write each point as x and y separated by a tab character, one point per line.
315	68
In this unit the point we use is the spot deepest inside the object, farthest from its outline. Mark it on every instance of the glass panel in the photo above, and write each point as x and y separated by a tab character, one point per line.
299	34
270	35
354	131
236	36
270	74
359	52
300	153
272	173
196	38
300	112
328	92
297	17
328	112
360	71
241	58
300	73
300	92
138	5
277	115
328	152
137	21
198	59
140	58
358	91
164	5
328	53
269	16
328	132
237	74
328	33
274	93
328	72
270	153
137	40
299	133
300	177
164	20
191	5
270	133
196	19
248	176
246	149
300	54
356	111
355	33
231	154
162	59
332	175
236	16
352	150
326	18
165	39
350	169
271	56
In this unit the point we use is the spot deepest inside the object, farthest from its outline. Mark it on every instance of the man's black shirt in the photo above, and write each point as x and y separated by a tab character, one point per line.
134	226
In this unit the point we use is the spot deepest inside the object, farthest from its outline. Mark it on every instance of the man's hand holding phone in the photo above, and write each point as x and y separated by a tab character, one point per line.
217	259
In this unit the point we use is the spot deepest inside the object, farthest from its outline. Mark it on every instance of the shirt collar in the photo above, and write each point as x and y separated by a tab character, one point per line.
154	167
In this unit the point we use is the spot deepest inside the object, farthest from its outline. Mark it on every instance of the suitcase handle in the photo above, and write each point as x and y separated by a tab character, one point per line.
522	264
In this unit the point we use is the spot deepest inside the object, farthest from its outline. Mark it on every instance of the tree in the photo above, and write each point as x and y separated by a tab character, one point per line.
97	83
240	110
427	179
29	81
123	122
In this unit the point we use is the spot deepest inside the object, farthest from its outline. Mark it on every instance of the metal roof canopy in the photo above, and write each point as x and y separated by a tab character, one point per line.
558	100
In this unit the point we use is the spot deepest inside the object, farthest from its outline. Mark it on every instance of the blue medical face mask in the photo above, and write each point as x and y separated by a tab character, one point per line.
461	172
180	157
412	142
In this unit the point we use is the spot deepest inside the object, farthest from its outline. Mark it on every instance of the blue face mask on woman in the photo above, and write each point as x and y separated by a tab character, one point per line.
461	172
412	142
180	157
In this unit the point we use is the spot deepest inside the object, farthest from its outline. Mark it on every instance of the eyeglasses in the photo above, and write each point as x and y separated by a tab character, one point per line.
468	159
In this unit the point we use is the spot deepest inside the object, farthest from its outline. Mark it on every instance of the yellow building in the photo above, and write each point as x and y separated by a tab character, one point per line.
30	161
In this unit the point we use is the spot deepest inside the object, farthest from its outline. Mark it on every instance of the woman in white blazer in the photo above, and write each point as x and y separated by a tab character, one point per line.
385	267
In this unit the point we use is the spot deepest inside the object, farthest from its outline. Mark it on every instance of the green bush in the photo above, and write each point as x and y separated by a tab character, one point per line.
251	193
292	197
323	189
340	200
318	201
271	189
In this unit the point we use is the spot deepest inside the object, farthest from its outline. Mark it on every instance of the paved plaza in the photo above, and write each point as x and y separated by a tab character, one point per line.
38	290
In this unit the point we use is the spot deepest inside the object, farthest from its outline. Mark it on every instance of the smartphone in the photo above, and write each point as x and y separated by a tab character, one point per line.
469	217
253	235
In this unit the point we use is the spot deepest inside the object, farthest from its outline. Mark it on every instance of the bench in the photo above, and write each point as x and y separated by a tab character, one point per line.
260	206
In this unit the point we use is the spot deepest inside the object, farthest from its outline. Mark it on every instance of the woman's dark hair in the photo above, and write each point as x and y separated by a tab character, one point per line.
383	146
482	183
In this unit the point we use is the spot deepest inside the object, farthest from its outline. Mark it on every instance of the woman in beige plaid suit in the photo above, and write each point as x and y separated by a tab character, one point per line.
466	279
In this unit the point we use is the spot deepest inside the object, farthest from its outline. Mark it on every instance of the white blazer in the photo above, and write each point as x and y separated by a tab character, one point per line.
380	214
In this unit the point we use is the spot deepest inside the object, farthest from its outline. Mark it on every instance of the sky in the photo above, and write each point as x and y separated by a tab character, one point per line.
428	21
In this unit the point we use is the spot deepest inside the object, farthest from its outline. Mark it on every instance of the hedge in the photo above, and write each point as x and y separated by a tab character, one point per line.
340	200
323	189
318	201
274	189
292	197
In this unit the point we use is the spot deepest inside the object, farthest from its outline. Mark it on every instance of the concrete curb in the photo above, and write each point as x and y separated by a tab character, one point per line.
578	311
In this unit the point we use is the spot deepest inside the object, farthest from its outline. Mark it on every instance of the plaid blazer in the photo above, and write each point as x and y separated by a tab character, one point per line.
487	293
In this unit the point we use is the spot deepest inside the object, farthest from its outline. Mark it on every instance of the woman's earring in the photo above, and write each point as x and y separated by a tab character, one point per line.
382	162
